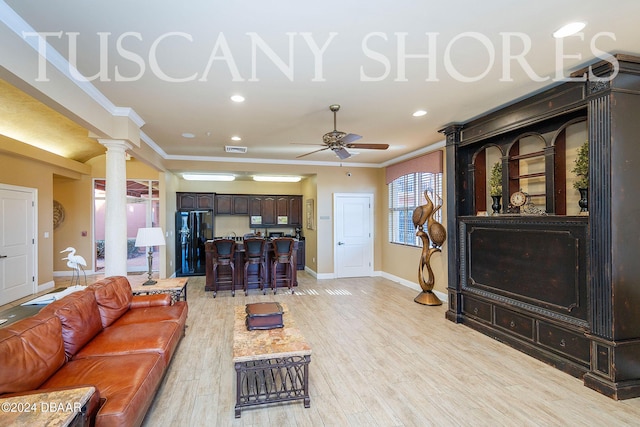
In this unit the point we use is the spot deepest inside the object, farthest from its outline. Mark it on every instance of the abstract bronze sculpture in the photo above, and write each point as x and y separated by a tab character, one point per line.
435	233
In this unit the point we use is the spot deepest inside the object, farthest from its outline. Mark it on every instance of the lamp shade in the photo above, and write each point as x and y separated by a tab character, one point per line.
152	236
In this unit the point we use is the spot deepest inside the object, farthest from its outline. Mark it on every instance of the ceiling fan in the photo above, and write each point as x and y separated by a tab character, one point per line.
339	141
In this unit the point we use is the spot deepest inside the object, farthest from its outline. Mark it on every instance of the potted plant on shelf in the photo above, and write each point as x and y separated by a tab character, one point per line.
495	186
581	169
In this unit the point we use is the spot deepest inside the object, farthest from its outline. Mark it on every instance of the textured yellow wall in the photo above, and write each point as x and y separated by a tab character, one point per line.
403	261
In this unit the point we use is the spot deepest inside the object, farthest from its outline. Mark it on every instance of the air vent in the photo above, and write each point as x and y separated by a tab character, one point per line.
235	149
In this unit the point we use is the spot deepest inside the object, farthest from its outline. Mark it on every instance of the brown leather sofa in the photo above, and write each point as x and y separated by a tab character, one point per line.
102	336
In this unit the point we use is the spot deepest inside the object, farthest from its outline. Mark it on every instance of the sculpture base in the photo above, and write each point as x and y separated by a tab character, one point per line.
427	298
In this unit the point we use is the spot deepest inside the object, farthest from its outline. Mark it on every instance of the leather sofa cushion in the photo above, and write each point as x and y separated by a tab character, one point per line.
128	383
160	337
153	300
113	295
27	359
174	313
80	318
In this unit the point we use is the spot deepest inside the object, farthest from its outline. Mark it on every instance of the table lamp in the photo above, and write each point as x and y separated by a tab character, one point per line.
150	237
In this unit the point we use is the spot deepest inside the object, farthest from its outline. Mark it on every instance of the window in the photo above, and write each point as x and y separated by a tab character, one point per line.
405	194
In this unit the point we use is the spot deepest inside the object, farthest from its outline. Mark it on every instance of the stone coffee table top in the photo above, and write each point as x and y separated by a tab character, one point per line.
173	284
278	342
52	408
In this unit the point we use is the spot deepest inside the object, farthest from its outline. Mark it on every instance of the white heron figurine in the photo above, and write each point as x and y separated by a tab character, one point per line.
76	263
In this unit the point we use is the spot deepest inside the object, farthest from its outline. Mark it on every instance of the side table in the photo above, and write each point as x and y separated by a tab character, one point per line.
53	408
177	287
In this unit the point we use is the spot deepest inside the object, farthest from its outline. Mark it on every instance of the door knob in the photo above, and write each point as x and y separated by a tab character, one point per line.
3	256
341	243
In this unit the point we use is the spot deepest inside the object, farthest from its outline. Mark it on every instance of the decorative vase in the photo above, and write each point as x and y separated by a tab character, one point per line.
496	204
584	200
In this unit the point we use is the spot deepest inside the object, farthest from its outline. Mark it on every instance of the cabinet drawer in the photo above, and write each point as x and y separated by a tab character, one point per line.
563	341
476	308
515	323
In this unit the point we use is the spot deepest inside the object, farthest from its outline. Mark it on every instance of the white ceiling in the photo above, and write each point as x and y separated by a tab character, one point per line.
288	92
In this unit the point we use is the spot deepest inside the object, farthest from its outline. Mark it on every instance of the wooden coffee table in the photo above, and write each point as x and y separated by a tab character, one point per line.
177	287
271	365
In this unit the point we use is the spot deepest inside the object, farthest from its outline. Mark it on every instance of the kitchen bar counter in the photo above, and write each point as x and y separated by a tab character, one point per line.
239	268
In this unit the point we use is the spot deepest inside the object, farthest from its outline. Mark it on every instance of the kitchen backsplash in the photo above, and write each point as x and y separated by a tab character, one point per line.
239	226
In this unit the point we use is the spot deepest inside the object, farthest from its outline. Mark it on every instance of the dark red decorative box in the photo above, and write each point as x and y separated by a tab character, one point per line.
264	315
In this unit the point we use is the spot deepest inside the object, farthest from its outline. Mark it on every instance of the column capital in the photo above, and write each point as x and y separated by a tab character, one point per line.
115	144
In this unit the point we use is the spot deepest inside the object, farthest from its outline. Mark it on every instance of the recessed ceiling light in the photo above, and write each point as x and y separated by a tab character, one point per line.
265	178
236	138
237	98
207	177
420	113
188	135
569	29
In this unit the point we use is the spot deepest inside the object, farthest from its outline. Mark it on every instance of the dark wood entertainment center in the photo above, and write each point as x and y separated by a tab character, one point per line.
562	288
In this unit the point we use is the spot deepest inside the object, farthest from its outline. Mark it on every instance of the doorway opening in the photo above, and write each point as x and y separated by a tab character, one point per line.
143	210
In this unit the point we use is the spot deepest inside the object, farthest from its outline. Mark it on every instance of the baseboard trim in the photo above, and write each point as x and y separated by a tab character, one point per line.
45	286
441	296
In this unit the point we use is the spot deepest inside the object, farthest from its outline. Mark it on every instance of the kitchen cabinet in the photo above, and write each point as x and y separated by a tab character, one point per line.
263	210
268	211
255	211
300	259
240	205
282	210
232	204
190	201
223	204
295	210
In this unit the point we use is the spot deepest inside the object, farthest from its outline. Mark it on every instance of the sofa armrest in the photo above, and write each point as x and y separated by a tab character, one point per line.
141	301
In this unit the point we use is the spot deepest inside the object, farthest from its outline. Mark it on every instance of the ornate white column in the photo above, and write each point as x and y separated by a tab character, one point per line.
115	241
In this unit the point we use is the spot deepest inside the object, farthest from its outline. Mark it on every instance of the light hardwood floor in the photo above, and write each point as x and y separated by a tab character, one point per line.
379	359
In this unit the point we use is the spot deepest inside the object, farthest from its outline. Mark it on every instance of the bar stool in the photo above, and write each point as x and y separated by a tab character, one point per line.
254	254
223	254
282	254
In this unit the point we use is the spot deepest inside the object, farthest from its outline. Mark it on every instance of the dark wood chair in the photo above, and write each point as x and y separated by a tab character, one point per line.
282	254
223	255
254	254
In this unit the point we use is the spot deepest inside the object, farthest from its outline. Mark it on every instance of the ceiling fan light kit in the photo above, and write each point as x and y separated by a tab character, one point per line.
339	141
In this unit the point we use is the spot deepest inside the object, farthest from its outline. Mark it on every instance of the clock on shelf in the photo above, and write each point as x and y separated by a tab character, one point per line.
518	198
521	203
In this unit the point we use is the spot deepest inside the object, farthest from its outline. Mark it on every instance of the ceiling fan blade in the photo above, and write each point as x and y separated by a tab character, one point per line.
342	153
322	149
350	137
369	146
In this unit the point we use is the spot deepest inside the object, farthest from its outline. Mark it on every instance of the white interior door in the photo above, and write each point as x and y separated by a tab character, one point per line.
353	239
16	243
